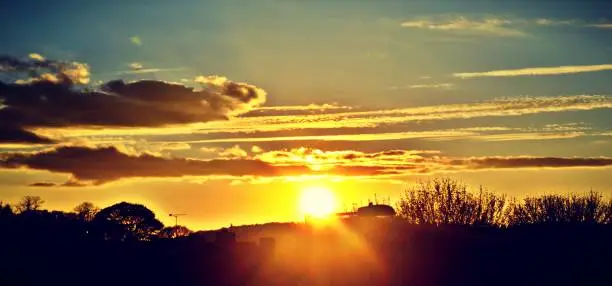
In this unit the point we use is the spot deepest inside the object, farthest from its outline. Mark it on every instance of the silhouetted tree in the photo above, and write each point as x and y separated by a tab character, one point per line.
560	209
86	211
174	232
29	203
126	222
5	210
446	201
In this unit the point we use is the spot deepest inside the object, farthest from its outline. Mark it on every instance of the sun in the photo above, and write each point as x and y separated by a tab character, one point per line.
317	202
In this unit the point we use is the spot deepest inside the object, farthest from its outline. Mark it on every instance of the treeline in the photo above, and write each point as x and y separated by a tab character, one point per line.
435	202
448	202
119	222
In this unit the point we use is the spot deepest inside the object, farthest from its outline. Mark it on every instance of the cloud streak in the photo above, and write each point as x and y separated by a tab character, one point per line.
535	71
105	164
136	40
101	165
285	121
143	70
493	26
489	26
602	26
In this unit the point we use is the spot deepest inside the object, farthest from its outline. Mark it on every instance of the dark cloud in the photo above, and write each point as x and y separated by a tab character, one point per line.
37	68
91	166
533	162
51	97
100	165
9	134
42	184
69	183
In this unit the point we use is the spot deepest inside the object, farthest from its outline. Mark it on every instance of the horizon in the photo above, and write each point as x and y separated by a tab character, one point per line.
264	111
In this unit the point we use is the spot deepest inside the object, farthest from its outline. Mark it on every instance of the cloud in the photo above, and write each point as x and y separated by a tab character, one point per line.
532	162
210	150
12	134
175	146
256	149
36	68
409	162
36	57
136	66
514	136
432	86
347	137
43	184
493	26
439	85
148	70
602	26
433	135
488	26
535	71
554	22
233	152
101	165
136	40
297	109
512	106
105	164
47	103
356	119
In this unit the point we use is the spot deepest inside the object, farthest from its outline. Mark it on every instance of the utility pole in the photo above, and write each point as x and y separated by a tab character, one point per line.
176	218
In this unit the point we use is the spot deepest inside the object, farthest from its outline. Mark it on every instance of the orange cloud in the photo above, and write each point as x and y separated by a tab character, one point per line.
105	164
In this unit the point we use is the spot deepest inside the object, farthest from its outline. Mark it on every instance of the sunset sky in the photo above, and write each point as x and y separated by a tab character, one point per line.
228	110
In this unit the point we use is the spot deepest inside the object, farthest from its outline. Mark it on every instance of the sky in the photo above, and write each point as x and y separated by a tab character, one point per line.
228	110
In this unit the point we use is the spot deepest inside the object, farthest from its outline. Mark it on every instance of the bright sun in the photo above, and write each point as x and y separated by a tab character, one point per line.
318	202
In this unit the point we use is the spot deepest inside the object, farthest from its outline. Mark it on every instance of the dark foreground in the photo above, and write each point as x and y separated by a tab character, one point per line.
357	253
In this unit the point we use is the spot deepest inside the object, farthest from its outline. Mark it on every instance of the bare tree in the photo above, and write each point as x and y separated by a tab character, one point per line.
29	203
590	208
446	201
86	211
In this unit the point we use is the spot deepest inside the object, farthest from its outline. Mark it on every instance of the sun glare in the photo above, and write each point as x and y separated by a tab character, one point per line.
318	202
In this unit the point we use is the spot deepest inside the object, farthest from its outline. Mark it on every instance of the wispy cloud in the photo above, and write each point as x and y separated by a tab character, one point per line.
136	66
359	118
602	26
347	137
233	152
493	26
136	40
489	26
141	70
535	71
297	109
554	22
325	106
433	86
431	135
36	57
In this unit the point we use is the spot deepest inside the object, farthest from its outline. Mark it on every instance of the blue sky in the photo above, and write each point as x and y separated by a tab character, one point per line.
493	79
316	50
